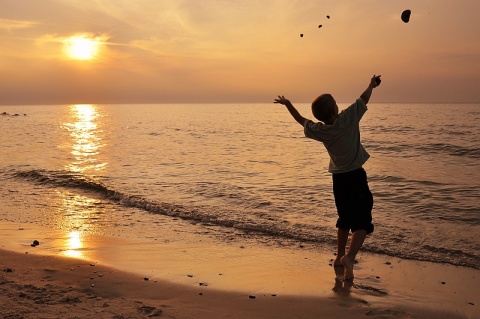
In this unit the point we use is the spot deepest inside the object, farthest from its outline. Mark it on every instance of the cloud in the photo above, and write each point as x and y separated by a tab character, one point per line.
10	25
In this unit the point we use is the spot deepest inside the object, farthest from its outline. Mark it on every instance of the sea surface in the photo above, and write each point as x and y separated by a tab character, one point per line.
242	172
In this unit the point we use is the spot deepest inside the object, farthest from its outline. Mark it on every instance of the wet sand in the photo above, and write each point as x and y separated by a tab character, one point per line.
114	278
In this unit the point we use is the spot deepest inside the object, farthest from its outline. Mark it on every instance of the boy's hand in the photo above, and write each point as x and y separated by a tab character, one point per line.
293	111
282	100
375	81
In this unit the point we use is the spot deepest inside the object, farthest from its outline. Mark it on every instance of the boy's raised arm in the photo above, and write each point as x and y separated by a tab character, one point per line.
374	82
293	111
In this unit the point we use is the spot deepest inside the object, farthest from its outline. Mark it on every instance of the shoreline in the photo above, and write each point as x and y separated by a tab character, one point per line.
201	279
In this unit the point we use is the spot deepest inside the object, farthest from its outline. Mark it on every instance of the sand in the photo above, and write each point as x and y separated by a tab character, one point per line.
114	279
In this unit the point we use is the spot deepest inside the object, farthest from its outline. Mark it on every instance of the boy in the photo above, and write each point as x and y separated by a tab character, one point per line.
340	134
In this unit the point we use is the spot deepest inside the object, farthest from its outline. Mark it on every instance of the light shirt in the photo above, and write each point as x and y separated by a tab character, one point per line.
342	138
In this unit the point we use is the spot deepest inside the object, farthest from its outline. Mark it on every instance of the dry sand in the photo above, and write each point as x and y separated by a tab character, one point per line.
220	282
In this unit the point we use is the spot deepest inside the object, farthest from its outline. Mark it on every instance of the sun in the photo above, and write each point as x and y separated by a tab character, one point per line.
82	47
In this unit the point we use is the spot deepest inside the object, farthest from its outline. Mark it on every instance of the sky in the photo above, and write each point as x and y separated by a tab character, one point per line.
237	51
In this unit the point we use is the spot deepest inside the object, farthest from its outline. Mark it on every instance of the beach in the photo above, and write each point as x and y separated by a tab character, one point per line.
228	282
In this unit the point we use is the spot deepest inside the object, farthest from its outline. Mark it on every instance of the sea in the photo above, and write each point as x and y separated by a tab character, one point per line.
242	172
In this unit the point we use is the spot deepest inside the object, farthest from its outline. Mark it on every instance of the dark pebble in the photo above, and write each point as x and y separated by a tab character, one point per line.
319	25
301	35
8	270
406	16
443	282
204	284
388	263
328	17
146	279
252	297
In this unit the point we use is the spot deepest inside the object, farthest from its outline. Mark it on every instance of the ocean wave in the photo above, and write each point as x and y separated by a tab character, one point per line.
413	150
396	180
428	253
223	218
273	229
429	200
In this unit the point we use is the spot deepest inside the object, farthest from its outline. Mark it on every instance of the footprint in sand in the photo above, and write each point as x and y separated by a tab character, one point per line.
371	290
150	311
387	313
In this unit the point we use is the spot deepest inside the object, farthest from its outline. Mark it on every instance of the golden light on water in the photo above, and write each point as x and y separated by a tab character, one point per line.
74	245
86	138
78	216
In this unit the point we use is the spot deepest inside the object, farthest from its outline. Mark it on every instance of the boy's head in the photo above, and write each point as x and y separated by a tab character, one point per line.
324	108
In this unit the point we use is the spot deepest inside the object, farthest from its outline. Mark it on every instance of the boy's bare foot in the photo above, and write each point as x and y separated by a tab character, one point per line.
339	272
347	263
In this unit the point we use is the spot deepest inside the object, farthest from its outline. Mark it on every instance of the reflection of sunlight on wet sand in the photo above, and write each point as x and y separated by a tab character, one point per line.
77	216
74	245
86	138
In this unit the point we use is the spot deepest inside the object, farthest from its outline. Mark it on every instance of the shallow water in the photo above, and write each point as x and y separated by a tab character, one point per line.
242	171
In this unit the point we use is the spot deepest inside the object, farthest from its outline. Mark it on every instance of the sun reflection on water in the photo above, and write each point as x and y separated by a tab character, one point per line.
79	214
86	139
74	245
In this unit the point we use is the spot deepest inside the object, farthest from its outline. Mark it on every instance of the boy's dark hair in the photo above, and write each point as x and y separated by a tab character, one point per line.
323	107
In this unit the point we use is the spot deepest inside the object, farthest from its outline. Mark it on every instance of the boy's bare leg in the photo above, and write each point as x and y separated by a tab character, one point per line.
356	243
342	237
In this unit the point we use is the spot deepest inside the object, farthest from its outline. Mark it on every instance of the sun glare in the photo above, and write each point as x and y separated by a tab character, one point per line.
82	47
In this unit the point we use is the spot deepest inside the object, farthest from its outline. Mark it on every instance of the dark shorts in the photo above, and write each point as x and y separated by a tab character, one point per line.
354	200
